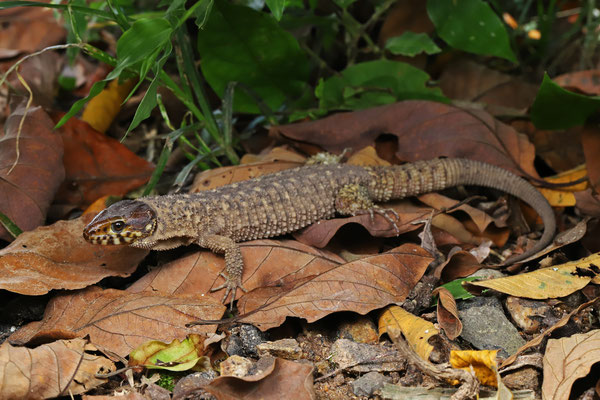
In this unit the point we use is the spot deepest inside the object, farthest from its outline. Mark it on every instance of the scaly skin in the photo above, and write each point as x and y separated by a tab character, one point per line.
286	201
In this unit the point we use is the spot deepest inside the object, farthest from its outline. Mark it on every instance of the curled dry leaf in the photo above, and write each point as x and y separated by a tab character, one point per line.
396	321
57	257
482	362
447	313
120	321
564	196
410	215
51	370
424	130
359	286
29	188
266	262
546	283
566	360
460	263
279	379
96	165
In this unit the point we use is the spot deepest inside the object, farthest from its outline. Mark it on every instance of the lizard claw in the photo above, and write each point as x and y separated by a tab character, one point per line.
384	213
231	286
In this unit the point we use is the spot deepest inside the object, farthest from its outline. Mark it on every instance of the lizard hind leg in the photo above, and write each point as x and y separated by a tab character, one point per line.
354	199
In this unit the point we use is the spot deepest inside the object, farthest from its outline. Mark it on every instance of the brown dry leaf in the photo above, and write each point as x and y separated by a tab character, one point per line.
266	262
470	81
57	257
455	228
367	156
560	149
547	283
27	191
51	370
564	196
539	338
590	142
118	320
97	165
424	130
218	177
396	321
410	219
280	379
102	109
440	202
280	153
28	29
566	360
588	202
569	236
41	74
359	286
460	263
483	362
447	313
585	82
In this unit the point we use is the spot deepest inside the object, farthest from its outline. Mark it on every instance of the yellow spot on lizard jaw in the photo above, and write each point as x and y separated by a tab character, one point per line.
148	227
116	241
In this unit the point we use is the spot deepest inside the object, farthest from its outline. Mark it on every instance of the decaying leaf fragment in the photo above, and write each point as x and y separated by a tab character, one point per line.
175	356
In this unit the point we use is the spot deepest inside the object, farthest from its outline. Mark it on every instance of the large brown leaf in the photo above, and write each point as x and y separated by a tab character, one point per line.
97	165
424	130
120	321
359	286
50	370
26	192
57	257
266	262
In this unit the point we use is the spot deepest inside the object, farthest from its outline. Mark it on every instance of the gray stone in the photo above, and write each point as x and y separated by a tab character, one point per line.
486	326
288	349
243	341
361	357
367	384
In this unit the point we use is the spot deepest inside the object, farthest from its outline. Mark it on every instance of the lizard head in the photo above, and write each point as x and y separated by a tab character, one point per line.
124	222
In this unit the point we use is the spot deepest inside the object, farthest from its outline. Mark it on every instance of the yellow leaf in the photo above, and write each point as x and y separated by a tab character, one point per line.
102	109
417	331
545	283
564	197
175	356
483	363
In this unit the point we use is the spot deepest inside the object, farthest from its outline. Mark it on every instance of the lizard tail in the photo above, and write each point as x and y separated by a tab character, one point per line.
427	176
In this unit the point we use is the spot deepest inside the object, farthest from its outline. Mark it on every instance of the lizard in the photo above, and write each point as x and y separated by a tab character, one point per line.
285	201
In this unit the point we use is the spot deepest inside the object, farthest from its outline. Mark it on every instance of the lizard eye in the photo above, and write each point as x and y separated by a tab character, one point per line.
117	226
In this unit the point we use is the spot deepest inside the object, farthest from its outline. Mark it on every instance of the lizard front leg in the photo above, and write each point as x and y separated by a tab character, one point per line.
234	265
354	199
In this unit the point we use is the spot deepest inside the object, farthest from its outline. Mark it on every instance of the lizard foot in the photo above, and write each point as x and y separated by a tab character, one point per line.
230	286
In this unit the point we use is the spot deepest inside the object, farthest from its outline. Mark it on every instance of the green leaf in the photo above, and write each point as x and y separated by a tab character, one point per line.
10	226
276	7
242	45
557	108
457	290
470	25
375	83
78	105
149	100
145	37
174	356
410	44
